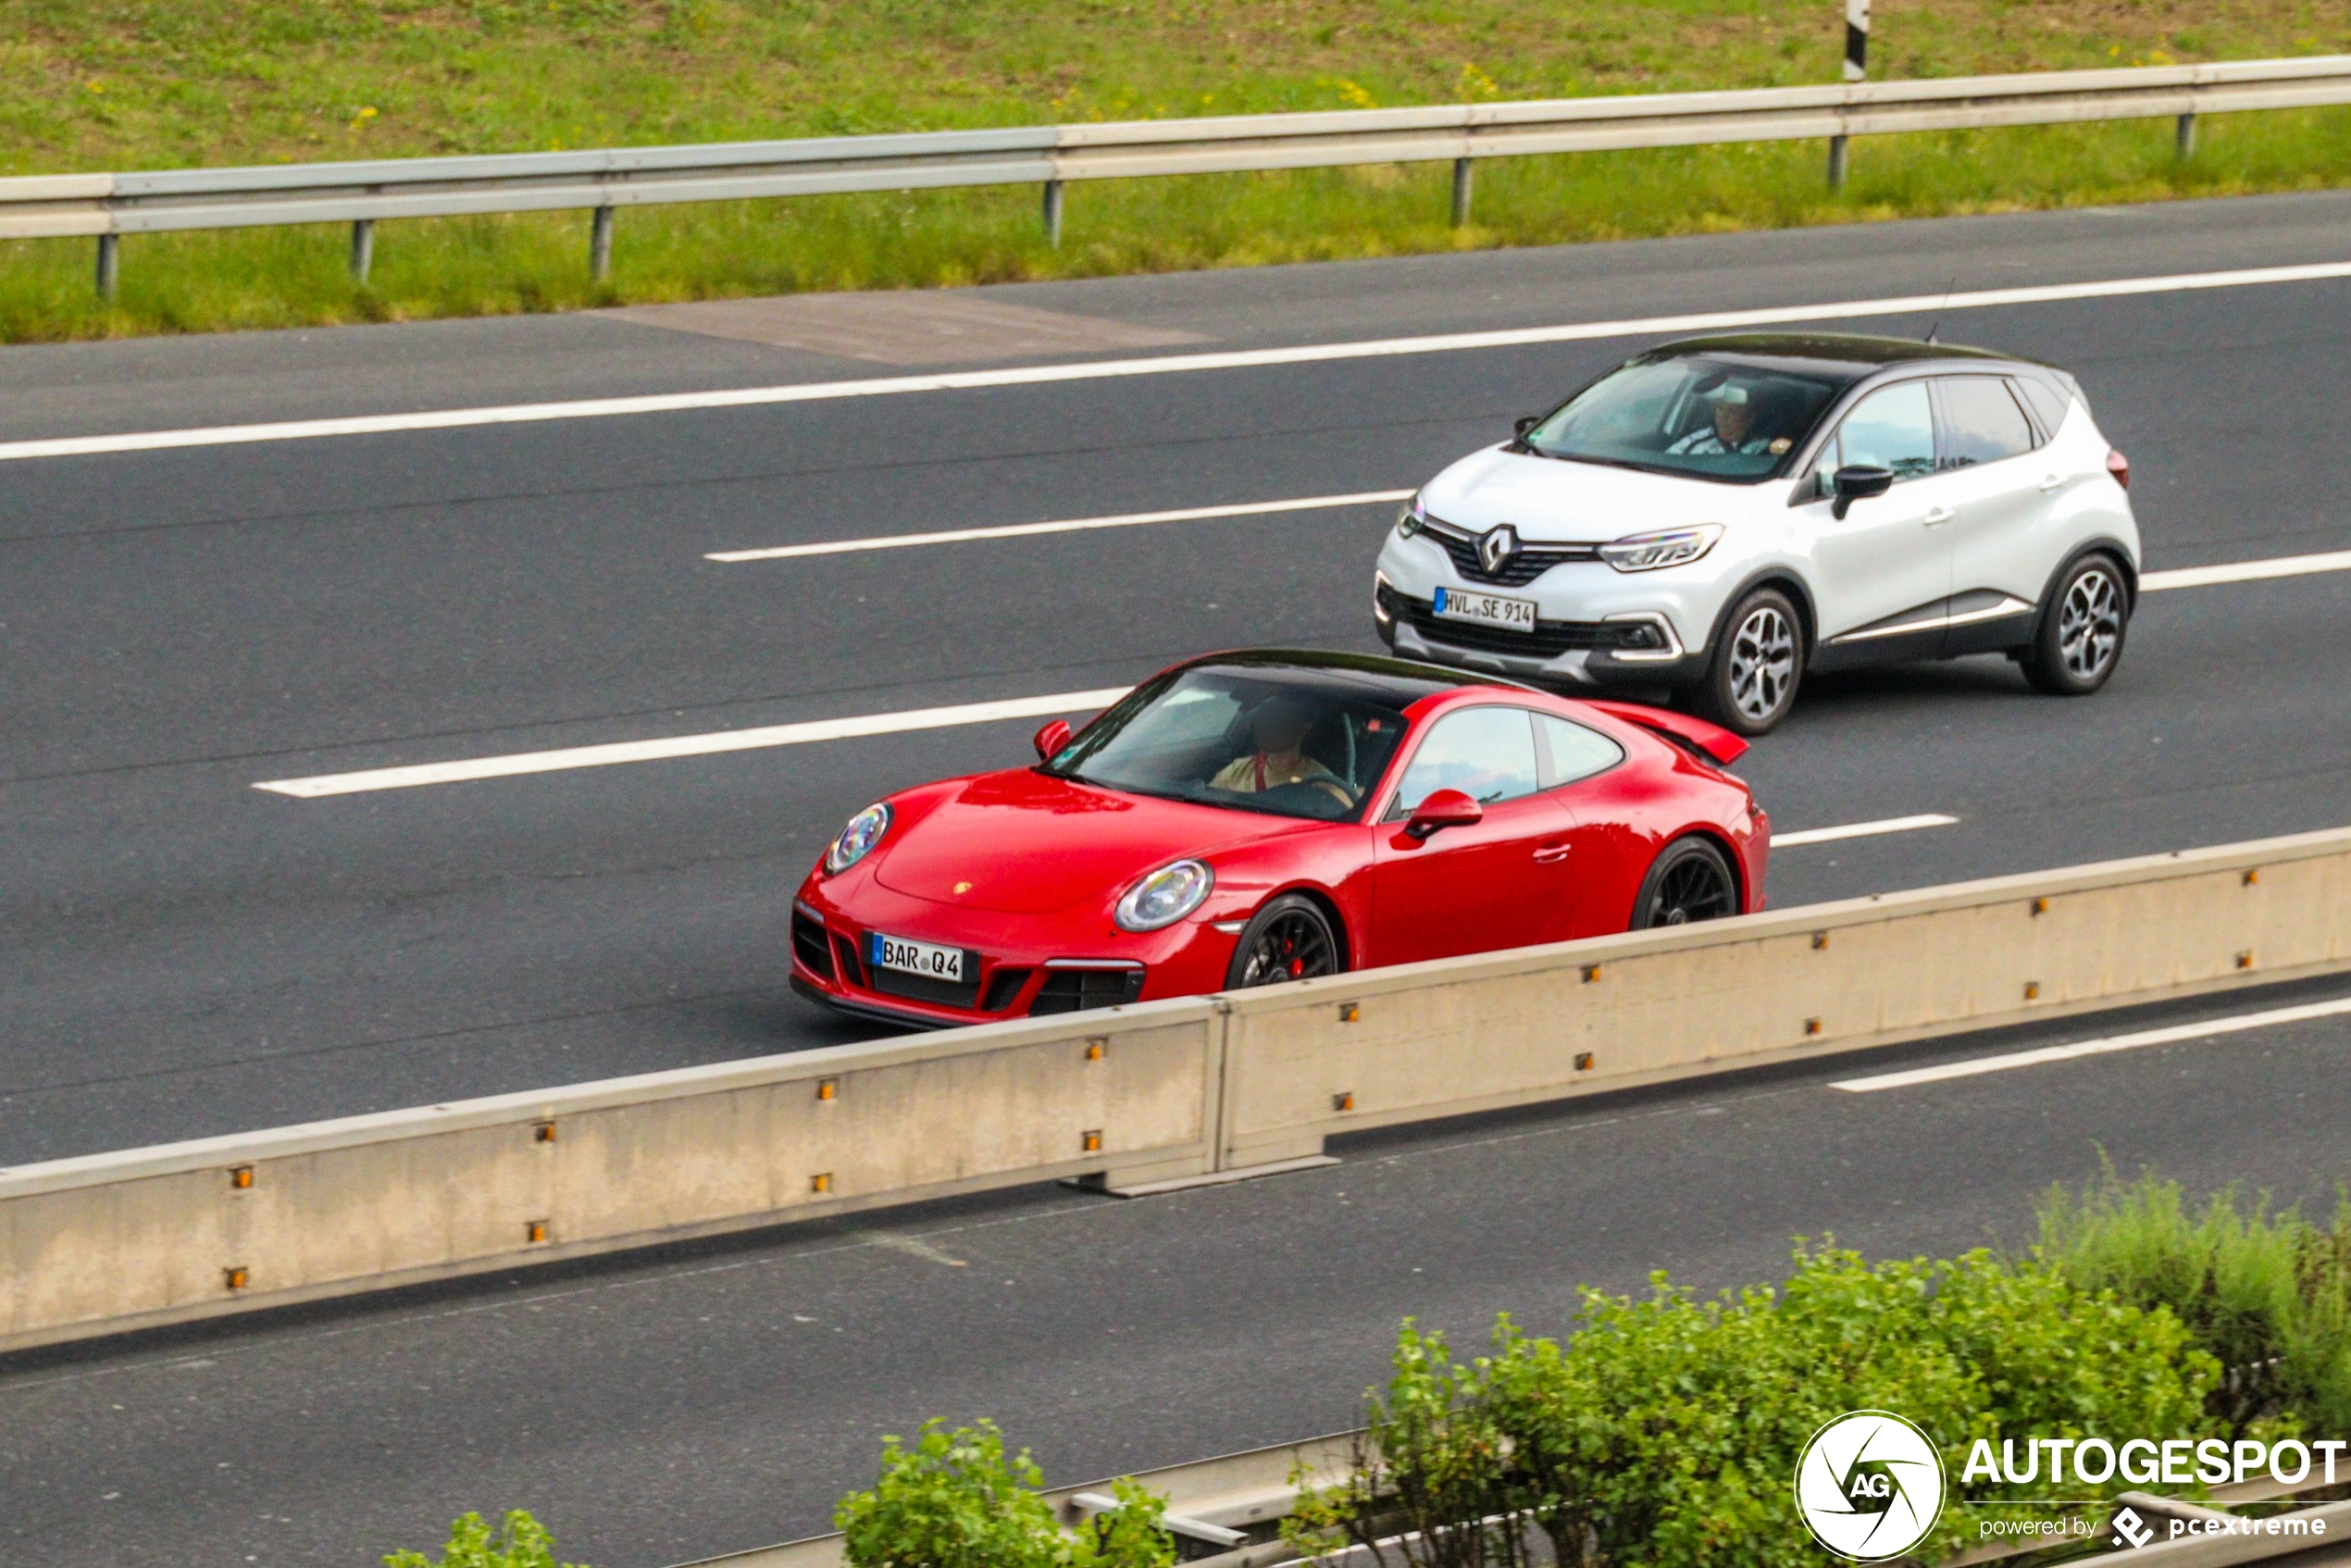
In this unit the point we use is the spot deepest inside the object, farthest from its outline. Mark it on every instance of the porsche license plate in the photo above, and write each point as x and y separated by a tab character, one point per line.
1486	609
911	957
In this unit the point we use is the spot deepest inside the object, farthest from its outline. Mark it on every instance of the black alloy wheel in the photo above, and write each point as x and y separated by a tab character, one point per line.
1758	664
1290	939
1691	880
2079	640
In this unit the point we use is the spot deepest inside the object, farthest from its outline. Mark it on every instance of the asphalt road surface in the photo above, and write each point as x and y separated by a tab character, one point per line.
188	955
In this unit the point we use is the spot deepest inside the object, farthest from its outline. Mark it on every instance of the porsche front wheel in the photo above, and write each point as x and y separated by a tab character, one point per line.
1690	881
1290	939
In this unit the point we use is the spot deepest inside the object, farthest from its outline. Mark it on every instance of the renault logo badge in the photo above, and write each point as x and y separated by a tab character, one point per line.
1496	547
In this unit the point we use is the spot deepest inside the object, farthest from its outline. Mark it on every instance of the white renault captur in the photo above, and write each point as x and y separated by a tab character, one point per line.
1717	516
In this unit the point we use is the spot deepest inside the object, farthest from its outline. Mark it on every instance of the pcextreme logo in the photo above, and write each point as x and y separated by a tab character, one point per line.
1870	1485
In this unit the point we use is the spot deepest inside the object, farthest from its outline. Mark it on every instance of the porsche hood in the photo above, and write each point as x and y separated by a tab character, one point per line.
1024	842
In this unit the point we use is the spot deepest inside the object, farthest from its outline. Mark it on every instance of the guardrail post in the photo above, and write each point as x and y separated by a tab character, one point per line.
1460	192
109	265
363	249
1054	213
600	246
1837	163
2184	136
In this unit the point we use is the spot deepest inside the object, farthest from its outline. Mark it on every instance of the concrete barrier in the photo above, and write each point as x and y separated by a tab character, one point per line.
1146	1097
153	1236
1424	1040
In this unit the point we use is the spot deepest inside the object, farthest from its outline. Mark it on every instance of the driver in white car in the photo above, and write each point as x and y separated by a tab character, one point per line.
1733	432
1279	726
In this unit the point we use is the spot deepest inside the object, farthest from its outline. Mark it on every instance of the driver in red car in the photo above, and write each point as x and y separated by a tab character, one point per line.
1279	726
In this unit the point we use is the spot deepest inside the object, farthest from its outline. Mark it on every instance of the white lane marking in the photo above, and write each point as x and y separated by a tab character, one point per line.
1163	365
912	1246
1066	525
1861	830
2246	571
1069	701
691	745
2208	1030
1078	701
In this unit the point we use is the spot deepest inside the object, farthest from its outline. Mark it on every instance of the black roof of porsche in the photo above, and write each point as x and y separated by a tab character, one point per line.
1398	682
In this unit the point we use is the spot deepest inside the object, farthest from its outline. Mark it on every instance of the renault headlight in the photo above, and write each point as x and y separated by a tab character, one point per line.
1164	897
857	839
1413	518
1653	551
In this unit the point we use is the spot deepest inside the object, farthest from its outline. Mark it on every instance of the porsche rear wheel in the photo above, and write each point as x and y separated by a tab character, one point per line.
1690	881
1290	939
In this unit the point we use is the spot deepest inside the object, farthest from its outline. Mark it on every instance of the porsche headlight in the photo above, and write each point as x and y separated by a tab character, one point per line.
1411	520
1653	551
1164	897
857	839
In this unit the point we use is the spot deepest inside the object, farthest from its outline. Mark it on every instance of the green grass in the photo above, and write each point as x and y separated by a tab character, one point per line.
96	85
2268	1294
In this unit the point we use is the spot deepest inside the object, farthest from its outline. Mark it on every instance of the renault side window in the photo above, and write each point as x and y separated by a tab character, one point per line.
1891	429
1982	422
2049	405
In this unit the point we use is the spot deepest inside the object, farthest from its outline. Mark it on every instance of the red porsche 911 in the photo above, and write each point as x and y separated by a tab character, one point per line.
1246	819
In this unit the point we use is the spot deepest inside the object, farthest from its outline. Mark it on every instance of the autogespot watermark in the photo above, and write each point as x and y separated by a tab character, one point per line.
1870	1485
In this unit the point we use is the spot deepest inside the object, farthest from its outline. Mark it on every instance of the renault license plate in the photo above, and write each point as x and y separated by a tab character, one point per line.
911	957
1486	609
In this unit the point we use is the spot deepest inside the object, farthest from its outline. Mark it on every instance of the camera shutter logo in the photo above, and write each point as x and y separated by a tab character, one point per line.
1870	1485
1496	547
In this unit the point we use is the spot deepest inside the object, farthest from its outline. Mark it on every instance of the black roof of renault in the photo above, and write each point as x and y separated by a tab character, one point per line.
1853	354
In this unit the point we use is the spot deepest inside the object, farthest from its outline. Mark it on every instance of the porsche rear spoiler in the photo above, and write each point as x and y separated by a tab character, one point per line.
1711	742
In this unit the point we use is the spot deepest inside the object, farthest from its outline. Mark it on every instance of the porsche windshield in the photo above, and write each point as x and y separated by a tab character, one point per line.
1289	740
1708	418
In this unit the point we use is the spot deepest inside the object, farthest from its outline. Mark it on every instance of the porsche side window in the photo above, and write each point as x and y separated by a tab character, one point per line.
1572	752
1982	422
1893	429
1487	754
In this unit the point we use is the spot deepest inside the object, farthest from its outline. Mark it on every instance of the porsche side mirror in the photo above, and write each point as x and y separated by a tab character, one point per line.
1524	423
1052	738
1858	482
1443	808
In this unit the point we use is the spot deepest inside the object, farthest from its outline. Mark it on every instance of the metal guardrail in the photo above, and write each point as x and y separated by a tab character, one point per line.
1251	1492
110	205
1142	1097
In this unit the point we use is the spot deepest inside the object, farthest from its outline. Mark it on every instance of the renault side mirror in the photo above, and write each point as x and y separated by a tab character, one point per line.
1052	738
1443	808
1858	482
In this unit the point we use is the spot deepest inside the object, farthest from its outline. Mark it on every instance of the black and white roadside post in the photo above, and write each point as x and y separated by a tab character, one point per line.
600	246
1054	213
1856	61
363	249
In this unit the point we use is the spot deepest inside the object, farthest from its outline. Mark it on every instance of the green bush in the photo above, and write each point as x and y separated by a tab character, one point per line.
1666	1431
954	1501
520	1541
2268	1294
